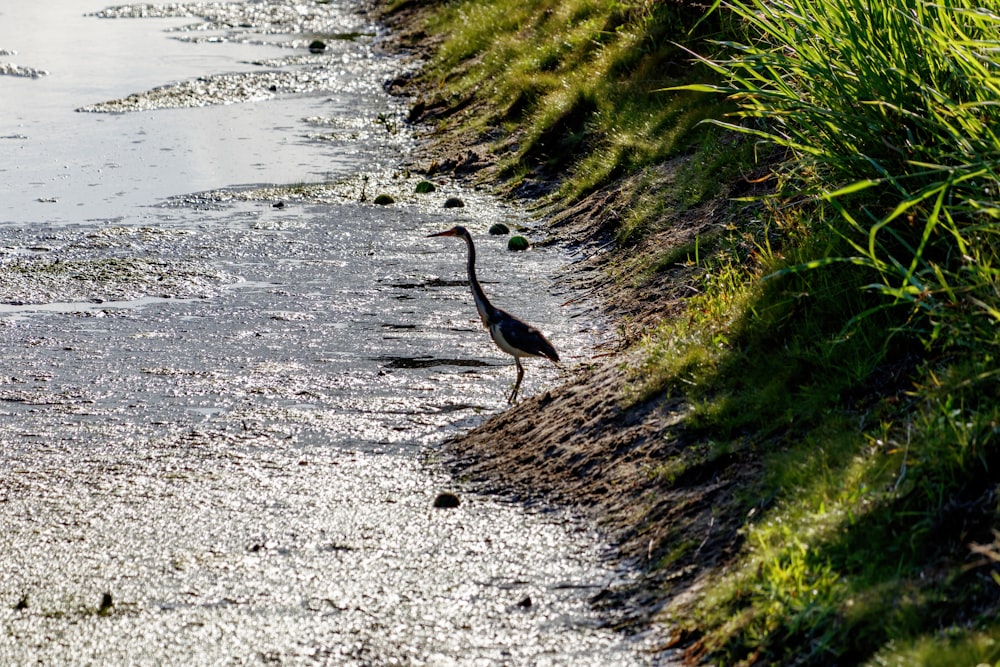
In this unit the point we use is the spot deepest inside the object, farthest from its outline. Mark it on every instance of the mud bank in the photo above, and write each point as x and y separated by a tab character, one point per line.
588	445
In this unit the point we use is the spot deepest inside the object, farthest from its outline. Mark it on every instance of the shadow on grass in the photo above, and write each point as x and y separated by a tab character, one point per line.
857	489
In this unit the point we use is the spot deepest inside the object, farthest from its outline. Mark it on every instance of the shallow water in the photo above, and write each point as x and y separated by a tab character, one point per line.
63	166
212	408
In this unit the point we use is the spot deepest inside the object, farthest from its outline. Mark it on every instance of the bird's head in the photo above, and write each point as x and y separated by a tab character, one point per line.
454	231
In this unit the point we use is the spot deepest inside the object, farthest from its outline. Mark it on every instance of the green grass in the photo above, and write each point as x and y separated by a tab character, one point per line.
581	81
948	649
841	330
908	156
889	174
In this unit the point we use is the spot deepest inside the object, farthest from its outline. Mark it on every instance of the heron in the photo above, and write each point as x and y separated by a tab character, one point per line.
512	335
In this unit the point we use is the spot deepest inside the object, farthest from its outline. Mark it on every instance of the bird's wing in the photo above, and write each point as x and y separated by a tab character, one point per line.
521	339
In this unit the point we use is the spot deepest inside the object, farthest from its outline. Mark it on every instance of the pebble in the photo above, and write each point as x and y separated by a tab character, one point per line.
517	243
446	500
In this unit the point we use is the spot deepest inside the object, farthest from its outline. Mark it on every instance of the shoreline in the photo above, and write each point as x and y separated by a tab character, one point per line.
577	446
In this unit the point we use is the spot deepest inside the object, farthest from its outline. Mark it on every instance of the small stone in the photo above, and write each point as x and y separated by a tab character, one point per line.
416	111
384	200
446	500
423	187
525	603
317	46
517	243
22	604
278	204
499	229
106	604
453	202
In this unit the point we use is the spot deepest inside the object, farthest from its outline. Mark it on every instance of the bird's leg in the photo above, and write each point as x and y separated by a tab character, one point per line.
517	385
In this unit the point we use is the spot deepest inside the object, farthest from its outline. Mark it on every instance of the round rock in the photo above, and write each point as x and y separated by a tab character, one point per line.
446	500
517	243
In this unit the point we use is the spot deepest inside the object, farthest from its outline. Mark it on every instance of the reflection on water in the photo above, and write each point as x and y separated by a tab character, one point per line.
83	307
60	166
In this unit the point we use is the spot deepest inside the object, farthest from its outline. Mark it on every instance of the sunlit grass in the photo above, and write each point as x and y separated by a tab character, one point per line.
580	81
908	155
948	649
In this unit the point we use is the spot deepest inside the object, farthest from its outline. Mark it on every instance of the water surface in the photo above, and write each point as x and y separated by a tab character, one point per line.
213	404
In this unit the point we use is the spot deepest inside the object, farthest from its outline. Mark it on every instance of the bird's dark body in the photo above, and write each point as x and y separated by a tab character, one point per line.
512	335
520	339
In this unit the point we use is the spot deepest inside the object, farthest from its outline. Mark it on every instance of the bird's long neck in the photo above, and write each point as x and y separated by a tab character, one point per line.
483	305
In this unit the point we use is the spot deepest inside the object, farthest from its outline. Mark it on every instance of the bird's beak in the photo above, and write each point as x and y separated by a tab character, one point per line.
450	232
